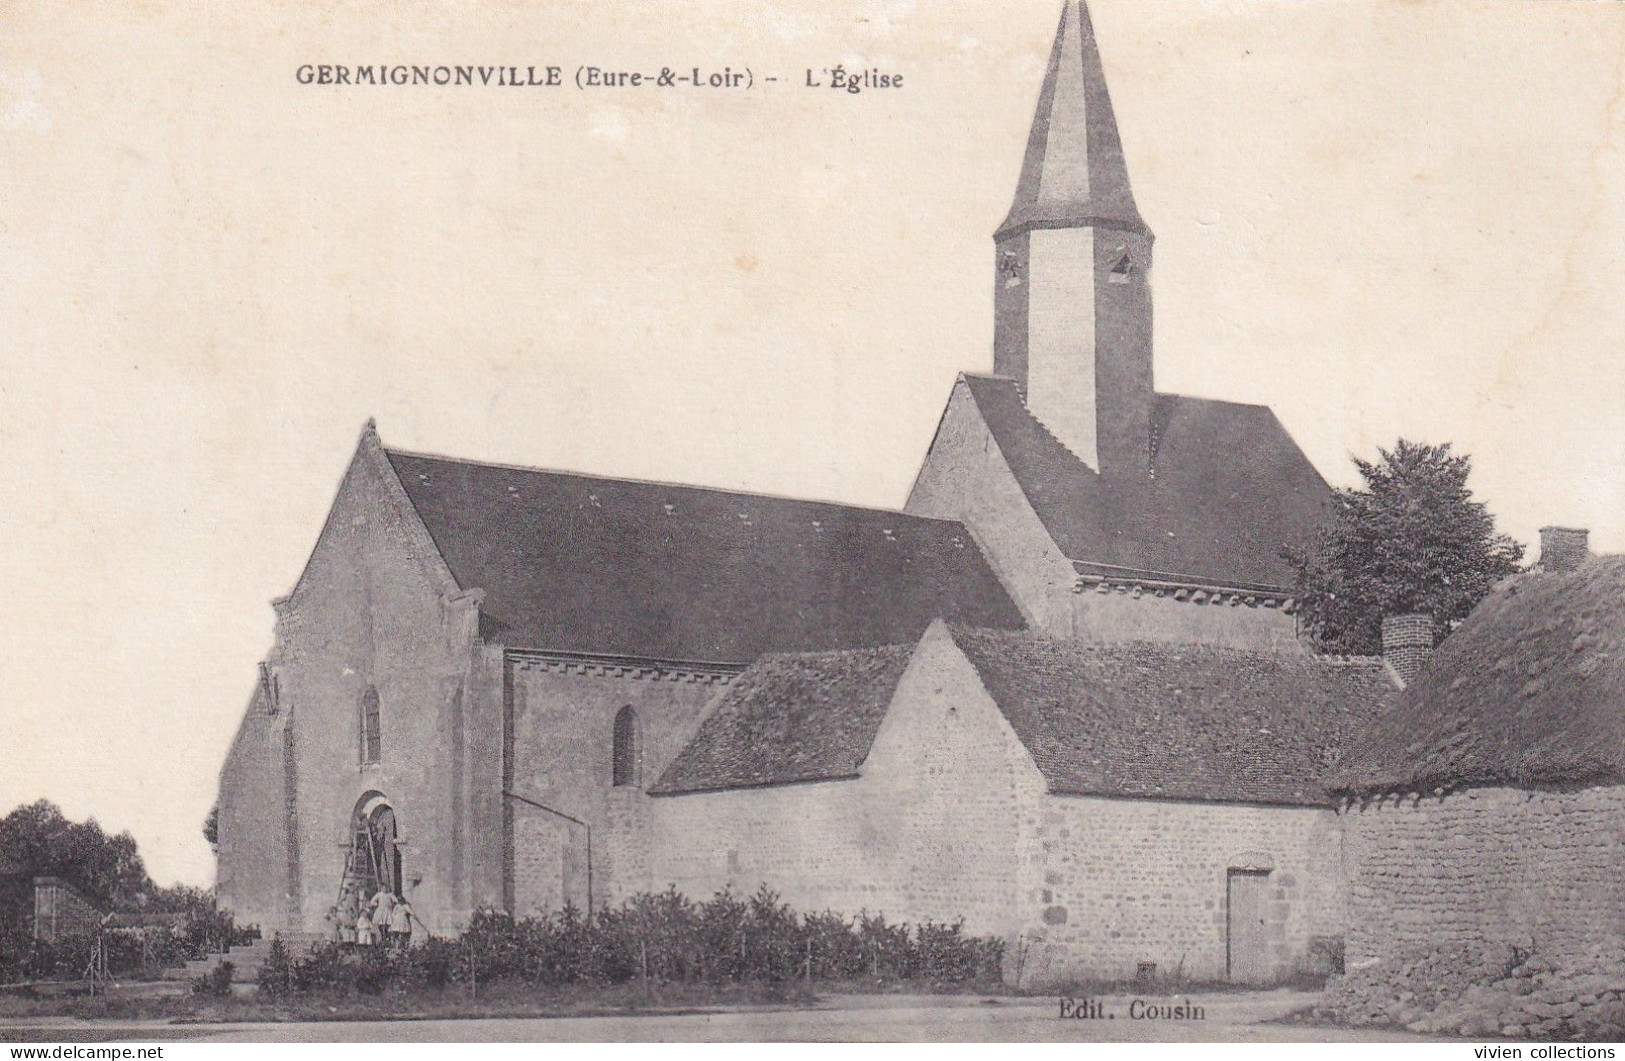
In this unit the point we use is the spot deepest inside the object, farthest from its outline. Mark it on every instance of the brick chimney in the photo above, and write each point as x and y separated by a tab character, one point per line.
1407	642
1563	548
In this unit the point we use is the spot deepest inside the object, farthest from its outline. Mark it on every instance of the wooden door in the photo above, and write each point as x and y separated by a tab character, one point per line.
1247	948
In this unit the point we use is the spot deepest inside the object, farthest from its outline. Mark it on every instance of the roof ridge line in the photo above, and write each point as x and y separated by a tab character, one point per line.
605	478
1216	401
831	653
1184	646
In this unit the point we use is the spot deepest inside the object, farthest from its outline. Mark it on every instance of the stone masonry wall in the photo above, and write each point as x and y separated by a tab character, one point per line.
1116	615
376	607
1487	866
965	477
950	819
957	786
1129	881
562	725
927	831
251	854
807	842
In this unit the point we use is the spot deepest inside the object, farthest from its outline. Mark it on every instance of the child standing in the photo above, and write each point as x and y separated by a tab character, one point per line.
400	922
365	934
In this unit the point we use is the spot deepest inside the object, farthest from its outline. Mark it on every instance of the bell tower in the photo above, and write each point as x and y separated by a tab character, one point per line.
1072	303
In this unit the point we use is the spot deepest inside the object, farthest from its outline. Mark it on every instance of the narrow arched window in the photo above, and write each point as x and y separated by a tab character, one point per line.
624	753
372	739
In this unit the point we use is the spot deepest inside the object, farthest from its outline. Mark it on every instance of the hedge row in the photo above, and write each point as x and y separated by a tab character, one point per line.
143	952
665	938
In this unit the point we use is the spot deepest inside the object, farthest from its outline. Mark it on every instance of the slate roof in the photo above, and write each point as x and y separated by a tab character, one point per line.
791	718
616	567
1073	173
1528	691
1229	489
1135	719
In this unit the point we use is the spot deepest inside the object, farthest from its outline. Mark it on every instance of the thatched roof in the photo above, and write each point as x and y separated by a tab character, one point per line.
1530	691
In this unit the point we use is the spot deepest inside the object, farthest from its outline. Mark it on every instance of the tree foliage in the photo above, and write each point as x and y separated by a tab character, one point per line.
1410	540
40	841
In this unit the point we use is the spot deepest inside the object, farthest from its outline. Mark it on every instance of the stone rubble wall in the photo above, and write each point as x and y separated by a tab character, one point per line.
1132	881
1487	867
1478	991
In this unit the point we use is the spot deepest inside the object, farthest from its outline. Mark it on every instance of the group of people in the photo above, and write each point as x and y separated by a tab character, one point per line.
381	919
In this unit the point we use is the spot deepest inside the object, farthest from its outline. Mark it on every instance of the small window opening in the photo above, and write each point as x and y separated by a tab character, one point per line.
624	752
1010	269
1122	270
372	741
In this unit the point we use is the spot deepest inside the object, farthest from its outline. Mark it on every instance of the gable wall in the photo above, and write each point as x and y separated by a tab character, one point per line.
1488	866
926	831
960	785
965	477
375	607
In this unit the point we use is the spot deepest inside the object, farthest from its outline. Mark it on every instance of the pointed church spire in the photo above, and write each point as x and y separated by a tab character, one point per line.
1073	174
1072	295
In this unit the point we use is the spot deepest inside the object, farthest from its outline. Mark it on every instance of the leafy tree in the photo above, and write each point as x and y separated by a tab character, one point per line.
1410	540
43	842
211	826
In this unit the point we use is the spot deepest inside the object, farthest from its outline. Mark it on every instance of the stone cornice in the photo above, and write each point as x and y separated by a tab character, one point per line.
1137	586
609	666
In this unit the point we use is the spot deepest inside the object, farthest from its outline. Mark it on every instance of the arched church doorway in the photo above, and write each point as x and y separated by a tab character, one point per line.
373	863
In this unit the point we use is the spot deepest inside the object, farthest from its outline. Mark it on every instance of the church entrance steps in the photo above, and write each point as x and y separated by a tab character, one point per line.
246	959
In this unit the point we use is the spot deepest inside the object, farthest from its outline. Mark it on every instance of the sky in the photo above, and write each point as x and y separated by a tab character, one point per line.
1383	218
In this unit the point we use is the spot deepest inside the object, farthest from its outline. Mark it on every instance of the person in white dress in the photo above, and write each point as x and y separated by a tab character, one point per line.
383	907
400	922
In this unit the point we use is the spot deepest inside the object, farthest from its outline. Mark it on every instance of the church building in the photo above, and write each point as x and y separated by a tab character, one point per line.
1060	695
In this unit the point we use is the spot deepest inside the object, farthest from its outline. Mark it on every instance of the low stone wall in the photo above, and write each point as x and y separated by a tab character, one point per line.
1481	867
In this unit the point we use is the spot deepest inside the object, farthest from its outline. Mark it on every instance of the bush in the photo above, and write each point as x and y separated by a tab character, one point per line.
886	947
276	975
216	982
657	938
943	954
